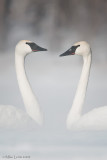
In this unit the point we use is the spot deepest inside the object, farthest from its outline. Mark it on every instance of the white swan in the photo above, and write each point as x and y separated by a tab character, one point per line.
9	115
95	119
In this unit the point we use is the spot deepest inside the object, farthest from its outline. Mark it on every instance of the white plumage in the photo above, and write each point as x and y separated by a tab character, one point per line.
95	119
10	116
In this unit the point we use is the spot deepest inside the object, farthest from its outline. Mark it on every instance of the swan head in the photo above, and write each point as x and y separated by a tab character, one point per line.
25	47
80	48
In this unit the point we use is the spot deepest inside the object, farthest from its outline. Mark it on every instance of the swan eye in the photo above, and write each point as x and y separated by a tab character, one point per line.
32	45
73	48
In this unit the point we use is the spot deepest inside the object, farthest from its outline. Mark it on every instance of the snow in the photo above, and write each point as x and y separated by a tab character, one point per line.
54	81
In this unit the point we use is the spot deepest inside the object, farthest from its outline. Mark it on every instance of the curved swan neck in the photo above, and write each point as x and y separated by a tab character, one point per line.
78	102
82	86
29	99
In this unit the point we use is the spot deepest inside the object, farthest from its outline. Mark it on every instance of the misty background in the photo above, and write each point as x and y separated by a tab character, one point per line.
55	25
57	22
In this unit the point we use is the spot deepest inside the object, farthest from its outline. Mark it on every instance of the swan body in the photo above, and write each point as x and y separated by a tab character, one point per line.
13	115
95	119
13	118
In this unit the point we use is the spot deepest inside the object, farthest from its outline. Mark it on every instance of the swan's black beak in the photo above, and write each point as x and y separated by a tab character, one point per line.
70	51
67	53
38	48
35	47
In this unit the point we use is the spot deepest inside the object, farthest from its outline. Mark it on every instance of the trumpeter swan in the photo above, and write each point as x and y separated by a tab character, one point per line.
9	115
95	119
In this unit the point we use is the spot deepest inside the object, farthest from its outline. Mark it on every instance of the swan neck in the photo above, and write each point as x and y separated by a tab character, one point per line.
30	102
82	86
76	110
